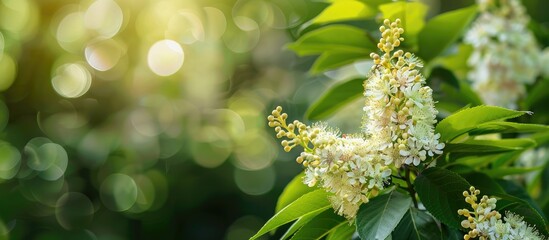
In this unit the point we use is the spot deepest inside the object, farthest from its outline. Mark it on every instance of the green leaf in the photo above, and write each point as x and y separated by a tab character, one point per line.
379	217
334	39
505	171
541	138
507	127
343	232
417	225
481	147
295	189
441	192
312	201
451	92
452	234
537	94
479	153
518	192
468	119
411	14
443	30
336	97
331	60
344	11
456	61
484	183
320	226
300	222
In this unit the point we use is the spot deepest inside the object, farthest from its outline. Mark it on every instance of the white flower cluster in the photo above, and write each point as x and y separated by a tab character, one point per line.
398	127
344	166
506	55
399	110
487	224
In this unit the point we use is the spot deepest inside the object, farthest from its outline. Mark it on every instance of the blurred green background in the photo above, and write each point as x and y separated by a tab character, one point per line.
146	119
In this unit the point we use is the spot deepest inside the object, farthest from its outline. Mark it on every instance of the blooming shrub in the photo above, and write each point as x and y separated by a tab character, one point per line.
402	176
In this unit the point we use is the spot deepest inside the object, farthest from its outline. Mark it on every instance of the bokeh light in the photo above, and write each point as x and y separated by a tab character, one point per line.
43	191
212	147
104	54
255	182
4	115
119	192
165	57
71	80
216	23
2	43
10	161
74	210
185	27
146	194
20	17
244	37
8	68
70	32
105	17
243	228
47	158
5	229
153	114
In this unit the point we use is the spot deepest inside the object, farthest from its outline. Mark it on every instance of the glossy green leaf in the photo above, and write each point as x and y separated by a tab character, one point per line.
343	232
417	225
320	226
295	189
344	11
452	233
443	30
468	119
310	202
441	192
507	127
336	97
411	14
456	60
379	217
331	60
484	183
519	192
538	94
488	186
451	92
541	137
334	39
302	221
482	160
506	171
480	147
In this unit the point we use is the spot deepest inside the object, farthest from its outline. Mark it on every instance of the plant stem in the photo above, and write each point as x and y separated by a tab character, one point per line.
410	186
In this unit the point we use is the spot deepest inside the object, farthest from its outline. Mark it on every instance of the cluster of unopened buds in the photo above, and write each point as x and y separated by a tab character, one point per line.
486	223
